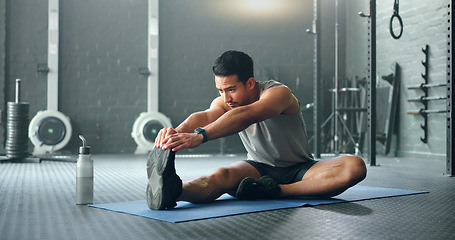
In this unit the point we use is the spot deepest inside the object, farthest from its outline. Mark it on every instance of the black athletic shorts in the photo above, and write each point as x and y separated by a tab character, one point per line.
283	175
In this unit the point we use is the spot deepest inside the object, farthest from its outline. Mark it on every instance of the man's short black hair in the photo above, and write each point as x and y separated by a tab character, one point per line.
234	63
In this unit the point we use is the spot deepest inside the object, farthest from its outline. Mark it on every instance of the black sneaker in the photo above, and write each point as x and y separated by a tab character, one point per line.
263	188
164	185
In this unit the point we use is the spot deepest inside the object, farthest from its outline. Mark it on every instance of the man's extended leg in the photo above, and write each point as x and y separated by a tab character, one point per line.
223	180
328	177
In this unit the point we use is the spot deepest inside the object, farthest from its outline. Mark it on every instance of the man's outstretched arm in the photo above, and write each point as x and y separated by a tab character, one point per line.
272	102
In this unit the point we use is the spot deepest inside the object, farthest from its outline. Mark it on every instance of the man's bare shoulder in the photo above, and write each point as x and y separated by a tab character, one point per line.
276	90
283	96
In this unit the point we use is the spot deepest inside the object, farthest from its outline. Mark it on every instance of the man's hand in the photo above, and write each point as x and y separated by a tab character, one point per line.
178	141
164	132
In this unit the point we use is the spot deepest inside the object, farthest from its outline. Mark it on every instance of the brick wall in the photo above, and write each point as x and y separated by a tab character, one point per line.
100	54
424	23
26	46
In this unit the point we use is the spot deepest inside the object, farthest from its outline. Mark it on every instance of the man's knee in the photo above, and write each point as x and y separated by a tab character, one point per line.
222	178
356	167
221	173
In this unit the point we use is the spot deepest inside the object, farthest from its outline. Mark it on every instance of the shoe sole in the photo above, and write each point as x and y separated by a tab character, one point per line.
159	161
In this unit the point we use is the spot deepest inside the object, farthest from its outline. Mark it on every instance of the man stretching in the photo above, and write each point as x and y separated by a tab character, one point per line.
267	117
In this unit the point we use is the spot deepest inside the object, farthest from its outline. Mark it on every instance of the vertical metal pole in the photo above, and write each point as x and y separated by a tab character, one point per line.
450	85
371	83
52	55
316	79
335	107
152	56
18	90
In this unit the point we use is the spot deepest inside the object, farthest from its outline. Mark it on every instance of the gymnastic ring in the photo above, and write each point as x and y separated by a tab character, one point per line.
401	26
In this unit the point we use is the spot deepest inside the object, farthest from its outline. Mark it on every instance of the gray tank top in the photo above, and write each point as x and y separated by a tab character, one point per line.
280	141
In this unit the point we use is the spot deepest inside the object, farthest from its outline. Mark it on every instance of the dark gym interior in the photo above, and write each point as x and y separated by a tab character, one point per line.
373	79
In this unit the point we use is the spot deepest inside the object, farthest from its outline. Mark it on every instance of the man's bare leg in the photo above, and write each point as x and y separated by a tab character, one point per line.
223	180
328	177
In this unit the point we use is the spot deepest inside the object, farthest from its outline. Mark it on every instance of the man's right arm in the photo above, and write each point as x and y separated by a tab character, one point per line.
203	118
195	120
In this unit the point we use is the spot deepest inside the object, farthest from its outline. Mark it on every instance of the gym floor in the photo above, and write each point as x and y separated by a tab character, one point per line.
37	201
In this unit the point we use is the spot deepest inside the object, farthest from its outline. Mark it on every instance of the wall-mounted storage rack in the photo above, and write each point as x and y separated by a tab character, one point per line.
425	98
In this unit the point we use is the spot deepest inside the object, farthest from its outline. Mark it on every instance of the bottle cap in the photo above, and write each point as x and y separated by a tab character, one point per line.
84	149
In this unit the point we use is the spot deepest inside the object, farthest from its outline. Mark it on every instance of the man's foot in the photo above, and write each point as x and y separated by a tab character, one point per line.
263	188
164	185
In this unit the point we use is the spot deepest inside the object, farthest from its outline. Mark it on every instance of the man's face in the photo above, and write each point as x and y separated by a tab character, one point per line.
234	92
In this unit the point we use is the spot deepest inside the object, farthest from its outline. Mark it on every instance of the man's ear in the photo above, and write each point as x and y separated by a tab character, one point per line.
251	83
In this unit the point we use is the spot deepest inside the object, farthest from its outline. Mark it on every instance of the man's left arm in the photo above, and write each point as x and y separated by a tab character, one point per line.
273	102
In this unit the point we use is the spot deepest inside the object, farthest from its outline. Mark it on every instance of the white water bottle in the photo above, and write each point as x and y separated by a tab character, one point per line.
84	175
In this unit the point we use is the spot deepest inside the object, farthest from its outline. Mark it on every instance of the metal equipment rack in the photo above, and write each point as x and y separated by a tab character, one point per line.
371	80
450	85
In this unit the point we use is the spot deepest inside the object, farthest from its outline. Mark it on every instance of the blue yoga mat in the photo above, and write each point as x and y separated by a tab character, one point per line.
227	205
